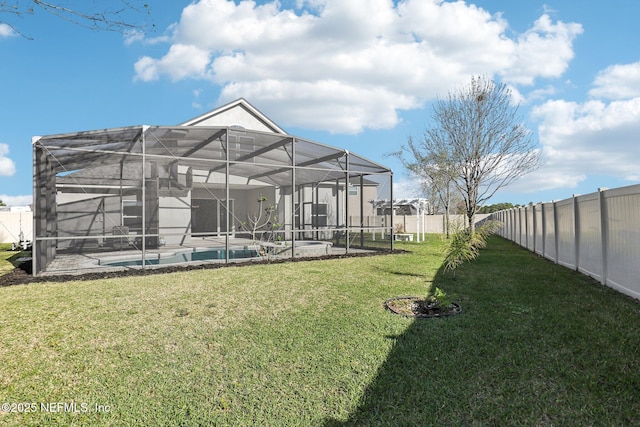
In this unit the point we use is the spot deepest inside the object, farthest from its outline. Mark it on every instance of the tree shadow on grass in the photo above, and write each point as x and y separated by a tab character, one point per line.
421	379
522	352
450	371
398	273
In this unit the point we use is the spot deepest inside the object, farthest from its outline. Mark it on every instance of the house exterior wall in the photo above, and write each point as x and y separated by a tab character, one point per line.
234	117
370	193
175	219
248	207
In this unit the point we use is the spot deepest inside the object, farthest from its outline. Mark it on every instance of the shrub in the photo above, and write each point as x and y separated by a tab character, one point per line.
465	246
439	299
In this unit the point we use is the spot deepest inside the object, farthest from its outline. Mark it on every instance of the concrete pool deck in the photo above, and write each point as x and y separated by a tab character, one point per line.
78	264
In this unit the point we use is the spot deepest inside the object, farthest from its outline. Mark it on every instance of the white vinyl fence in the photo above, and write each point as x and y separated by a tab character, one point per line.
414	224
431	223
597	234
12	224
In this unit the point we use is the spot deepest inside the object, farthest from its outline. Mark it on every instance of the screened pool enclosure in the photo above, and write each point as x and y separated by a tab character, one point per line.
143	196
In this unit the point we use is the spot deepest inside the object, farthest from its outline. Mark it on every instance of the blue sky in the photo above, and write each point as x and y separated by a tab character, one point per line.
360	75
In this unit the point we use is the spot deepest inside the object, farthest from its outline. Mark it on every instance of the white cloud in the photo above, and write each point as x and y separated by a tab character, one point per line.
7	166
138	36
182	61
407	189
146	69
618	82
6	30
552	176
534	95
310	103
345	66
16	200
594	137
543	51
133	36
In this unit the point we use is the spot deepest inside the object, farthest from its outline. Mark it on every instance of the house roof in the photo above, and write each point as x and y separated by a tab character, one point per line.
239	114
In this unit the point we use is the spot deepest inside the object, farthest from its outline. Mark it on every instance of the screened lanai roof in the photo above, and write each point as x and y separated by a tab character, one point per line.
253	155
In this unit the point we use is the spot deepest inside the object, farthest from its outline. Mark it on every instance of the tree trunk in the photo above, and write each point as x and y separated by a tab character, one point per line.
472	221
446	215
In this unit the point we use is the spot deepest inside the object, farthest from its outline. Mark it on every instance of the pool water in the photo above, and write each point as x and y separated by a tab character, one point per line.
204	255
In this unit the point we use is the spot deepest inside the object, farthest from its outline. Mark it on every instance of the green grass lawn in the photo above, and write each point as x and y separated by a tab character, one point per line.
310	343
5	254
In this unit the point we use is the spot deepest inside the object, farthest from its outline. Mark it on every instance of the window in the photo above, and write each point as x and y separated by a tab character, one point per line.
353	190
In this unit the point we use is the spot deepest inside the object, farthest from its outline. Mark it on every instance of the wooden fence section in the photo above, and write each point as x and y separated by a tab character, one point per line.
597	234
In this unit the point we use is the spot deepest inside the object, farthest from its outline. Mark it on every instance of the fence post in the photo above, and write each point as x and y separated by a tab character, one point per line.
555	229
544	231
523	226
526	227
533	226
512	225
576	230
604	232
518	229
507	224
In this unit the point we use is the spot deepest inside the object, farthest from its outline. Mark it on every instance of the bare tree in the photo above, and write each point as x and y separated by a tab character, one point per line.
113	15
435	172
479	135
263	221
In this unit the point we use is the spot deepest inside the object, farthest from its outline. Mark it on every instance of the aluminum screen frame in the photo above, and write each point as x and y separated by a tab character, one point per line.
111	173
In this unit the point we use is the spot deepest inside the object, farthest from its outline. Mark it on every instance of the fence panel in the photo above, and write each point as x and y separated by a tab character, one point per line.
597	234
502	217
505	218
566	233
589	236
431	223
13	225
530	226
622	242
539	236
522	228
549	231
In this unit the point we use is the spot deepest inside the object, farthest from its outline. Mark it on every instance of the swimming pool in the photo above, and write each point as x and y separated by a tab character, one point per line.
180	257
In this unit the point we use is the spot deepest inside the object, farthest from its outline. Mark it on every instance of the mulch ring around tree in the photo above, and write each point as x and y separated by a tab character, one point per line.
418	307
